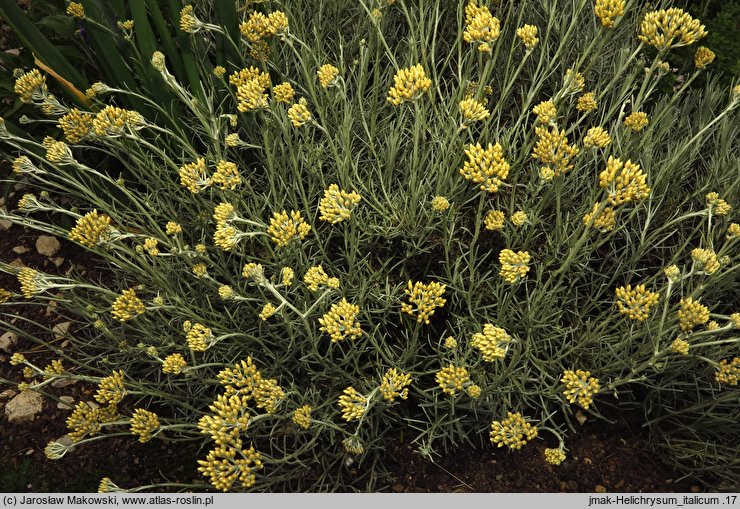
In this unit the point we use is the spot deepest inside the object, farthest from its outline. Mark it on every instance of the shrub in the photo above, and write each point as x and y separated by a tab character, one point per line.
447	226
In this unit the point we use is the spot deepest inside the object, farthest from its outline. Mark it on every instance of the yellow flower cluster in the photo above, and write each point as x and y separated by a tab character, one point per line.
337	205
111	389
285	227
408	85
23	164
608	10
352	404
76	10
733	231
486	167
450	342
451	379
545	111
31	84
691	314
283	93
172	228
473	110
5	295
144	424
127	306
637	121
225	292
519	218
113	121
494	220
150	246
286	276
624	182
728	372
57	151
481	26
604	221
258	26
267	311
298	113
302	417
636	303
251	85
226	175
587	102
493	342
703	57
199	337
670	28
717	205
341	321
327	75
30	281
91	229
316	277
174	364
86	420
554	456
580	387
707	259
672	272
395	384
76	125
17	359
553	150
245	380
528	35
680	346
440	203
474	391
514	266
189	23
225	465
596	137
426	298
513	432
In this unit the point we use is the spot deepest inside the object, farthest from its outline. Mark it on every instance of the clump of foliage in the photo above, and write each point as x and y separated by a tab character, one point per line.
454	223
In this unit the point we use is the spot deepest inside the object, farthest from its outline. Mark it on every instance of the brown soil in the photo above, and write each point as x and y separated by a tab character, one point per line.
601	457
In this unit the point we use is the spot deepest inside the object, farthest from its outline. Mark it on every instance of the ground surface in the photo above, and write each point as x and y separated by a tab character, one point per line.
601	457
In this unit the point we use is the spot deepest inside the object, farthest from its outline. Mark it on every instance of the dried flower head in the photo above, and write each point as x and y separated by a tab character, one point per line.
302	417
703	57
670	28
298	113
174	364
587	102
636	303
554	456
408	85
514	266
127	306
486	167
494	220
493	342
352	404
481	27
327	75
395	384
580	387
596	137
76	125
552	149
337	205
31	86
608	11
513	432
451	379
473	110
728	372
283	93
440	203
144	424
717	205
284	227
691	313
603	220
528	35
111	389
546	112
706	259
423	299
341	321
637	121
624	181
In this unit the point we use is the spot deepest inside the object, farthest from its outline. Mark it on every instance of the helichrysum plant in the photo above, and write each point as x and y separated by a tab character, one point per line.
341	239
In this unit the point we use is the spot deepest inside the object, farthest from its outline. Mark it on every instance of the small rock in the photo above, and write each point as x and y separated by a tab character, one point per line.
18	263
51	307
61	329
29	452
47	245
24	407
66	403
619	484
19	250
572	485
587	461
580	417
5	224
8	341
66	344
58	261
599	489
695	488
563	485
499	477
7	394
